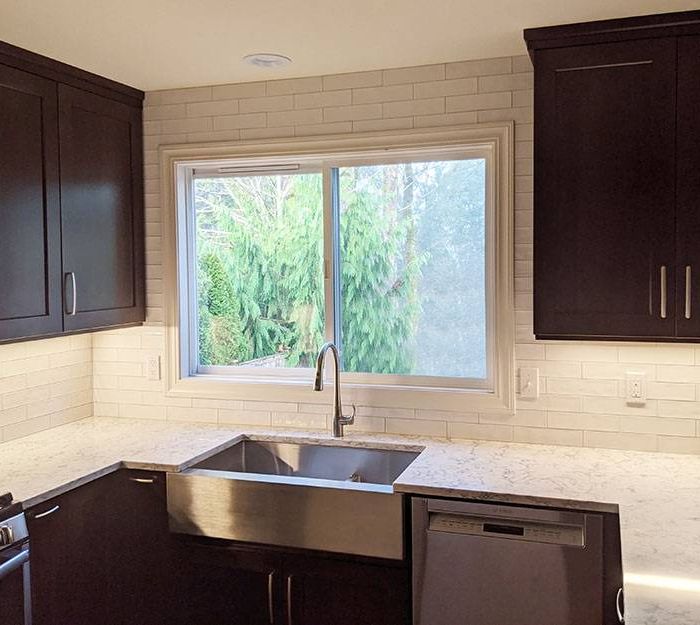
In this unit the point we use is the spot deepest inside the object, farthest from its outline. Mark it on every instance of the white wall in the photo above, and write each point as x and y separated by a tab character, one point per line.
583	383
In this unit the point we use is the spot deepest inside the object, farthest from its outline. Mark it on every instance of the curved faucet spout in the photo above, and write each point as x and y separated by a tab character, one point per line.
339	420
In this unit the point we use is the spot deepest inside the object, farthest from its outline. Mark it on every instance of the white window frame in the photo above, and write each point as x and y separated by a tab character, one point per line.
179	166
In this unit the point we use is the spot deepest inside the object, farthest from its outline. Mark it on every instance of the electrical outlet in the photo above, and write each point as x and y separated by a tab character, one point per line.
529	382
635	388
153	368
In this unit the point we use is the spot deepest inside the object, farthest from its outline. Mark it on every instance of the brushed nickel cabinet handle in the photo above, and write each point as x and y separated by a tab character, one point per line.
48	512
143	480
74	307
663	292
290	617
270	597
688	279
619	608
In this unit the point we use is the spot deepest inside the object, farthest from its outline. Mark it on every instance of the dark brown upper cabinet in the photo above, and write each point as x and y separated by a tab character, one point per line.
30	246
617	147
71	199
101	215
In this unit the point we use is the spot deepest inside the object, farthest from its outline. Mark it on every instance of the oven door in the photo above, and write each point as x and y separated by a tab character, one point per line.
14	585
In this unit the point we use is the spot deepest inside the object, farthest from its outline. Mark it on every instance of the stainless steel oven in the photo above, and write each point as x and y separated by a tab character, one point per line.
15	594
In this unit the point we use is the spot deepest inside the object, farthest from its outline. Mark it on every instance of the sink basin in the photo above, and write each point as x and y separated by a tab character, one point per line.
353	464
321	497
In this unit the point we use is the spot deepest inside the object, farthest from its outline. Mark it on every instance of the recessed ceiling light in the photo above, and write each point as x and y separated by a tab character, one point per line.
267	59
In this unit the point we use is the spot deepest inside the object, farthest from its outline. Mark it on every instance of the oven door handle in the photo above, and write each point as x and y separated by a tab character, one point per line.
14	563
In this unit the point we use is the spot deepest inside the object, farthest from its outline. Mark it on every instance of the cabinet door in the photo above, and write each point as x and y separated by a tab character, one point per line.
605	190
688	188
325	591
222	584
70	580
138	543
101	210
30	244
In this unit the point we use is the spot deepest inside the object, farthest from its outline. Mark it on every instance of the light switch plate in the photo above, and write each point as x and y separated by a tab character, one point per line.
153	368
529	382
635	388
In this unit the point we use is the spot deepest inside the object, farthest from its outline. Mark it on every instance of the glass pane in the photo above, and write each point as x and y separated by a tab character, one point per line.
260	270
413	268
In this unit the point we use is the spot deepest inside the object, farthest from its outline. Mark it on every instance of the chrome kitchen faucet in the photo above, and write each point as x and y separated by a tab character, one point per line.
338	419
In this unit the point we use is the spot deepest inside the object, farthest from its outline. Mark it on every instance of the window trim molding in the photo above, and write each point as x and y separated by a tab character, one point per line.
497	137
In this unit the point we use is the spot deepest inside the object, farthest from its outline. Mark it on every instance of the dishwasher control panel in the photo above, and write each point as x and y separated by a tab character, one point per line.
526	530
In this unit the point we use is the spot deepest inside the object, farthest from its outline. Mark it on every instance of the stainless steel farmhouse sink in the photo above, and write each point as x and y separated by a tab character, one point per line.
310	496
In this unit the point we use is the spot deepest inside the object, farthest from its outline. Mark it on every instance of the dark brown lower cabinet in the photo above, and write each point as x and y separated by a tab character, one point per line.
222	585
69	536
231	584
327	591
100	553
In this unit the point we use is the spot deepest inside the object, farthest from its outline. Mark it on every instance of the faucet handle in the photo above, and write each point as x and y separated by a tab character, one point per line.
351	419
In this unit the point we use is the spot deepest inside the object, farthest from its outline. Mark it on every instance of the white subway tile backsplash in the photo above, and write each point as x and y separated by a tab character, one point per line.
236	122
353	112
44	383
270	103
679	445
615	440
583	421
684	409
439	88
308	420
322	99
482	431
376	125
239	91
245	417
581	352
410	108
570	386
547	436
506	82
294	85
178	96
669	390
480	67
353	80
478	102
416	427
658	425
297	117
680	373
371	95
421	73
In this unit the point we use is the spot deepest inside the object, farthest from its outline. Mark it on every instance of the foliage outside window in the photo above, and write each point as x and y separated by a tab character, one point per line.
400	281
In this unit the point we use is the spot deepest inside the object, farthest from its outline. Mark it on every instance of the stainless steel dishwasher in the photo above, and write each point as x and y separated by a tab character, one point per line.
484	564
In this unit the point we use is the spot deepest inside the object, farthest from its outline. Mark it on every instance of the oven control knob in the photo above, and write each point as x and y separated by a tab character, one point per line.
6	536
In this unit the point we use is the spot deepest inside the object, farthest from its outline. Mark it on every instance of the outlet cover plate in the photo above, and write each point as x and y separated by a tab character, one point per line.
529	382
635	388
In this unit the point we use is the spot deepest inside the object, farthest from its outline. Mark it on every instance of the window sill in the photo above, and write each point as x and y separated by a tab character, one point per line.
447	399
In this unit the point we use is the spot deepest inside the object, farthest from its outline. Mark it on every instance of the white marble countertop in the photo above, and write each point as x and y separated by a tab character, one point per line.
657	495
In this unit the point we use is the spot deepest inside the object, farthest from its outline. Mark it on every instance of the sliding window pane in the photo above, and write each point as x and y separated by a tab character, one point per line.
413	268
259	255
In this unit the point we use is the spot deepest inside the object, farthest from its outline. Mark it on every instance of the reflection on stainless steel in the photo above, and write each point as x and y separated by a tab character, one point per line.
338	419
15	586
327	498
354	464
500	558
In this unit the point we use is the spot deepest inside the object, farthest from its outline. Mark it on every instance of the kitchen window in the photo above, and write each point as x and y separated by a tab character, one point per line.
393	254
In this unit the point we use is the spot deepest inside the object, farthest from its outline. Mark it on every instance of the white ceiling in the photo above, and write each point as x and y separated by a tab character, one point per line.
158	44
